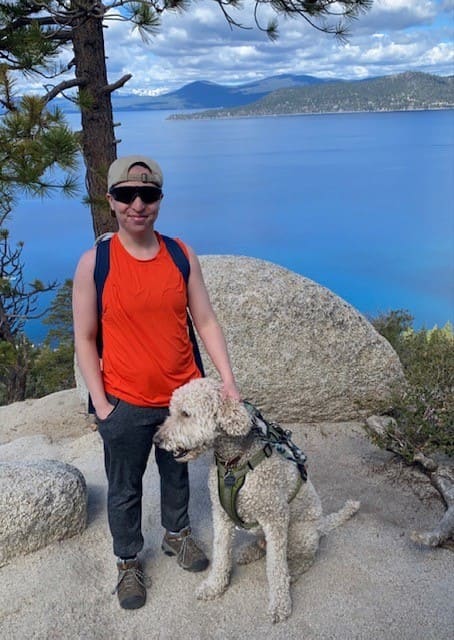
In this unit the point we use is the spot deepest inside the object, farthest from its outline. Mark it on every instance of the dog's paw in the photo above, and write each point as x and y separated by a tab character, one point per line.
251	552
281	610
211	589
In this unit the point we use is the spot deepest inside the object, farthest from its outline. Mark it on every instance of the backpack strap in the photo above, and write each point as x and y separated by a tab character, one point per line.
102	266
179	257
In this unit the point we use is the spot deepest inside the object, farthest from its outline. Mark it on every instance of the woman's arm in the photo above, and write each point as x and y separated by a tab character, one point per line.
85	319
208	326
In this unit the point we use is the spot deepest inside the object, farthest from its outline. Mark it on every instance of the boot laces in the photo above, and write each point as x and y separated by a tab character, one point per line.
129	577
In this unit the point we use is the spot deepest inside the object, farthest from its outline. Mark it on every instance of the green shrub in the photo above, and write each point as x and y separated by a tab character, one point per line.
424	409
33	371
30	370
52	370
16	360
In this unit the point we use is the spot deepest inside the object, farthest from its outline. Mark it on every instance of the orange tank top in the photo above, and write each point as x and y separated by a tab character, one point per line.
147	353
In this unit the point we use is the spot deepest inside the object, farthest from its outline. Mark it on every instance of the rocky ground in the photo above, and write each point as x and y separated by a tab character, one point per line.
369	582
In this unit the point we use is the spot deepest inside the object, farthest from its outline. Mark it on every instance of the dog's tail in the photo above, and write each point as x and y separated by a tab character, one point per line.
333	520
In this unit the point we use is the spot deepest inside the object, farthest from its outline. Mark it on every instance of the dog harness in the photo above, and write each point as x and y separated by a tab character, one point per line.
231	478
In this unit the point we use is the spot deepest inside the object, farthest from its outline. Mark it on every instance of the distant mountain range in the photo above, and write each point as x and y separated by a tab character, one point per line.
207	95
204	95
291	94
402	92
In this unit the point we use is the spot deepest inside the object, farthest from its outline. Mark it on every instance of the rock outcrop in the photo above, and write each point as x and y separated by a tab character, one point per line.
40	502
299	352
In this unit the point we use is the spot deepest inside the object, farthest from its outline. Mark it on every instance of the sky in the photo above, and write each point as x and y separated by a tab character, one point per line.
393	37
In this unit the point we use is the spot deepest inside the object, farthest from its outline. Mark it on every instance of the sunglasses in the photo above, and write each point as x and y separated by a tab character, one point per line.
128	194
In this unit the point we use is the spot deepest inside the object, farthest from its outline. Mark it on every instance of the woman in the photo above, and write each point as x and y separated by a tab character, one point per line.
146	355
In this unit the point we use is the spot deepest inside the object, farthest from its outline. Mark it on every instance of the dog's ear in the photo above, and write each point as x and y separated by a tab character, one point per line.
233	418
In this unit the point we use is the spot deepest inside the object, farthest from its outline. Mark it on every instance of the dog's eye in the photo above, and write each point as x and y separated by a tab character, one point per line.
185	414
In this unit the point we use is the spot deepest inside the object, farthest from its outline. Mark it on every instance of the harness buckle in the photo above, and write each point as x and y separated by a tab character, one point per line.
229	479
268	450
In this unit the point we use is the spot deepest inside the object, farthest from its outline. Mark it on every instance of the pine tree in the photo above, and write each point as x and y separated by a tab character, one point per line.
34	142
59	317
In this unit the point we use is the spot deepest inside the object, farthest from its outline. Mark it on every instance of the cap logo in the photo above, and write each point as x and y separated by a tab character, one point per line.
141	177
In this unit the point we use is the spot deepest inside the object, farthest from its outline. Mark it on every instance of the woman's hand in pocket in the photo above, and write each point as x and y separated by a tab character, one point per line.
105	410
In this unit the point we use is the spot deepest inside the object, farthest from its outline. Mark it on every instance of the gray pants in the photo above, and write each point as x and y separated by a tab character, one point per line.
127	434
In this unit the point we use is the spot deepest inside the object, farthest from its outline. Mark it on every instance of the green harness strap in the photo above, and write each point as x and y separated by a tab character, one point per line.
230	481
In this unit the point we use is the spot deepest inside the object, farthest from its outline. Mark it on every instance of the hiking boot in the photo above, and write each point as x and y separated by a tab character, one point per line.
182	545
131	585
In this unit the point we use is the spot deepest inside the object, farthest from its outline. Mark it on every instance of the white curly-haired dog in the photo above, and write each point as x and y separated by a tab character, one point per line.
289	531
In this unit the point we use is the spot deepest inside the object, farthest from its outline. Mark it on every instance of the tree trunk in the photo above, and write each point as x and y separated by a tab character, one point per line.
98	139
17	383
442	478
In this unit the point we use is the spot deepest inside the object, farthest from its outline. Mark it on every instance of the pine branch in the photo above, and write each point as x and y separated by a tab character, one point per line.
59	88
110	88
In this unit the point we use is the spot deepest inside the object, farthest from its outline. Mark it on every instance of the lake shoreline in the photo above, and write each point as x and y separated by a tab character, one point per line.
302	113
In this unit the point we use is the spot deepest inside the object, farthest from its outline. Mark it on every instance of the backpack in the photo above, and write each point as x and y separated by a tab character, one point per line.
102	265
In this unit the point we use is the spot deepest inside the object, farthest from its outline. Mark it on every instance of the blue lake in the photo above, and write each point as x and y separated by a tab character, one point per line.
361	203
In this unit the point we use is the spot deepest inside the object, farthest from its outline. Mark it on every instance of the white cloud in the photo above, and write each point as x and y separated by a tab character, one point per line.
395	36
389	52
421	8
442	53
401	14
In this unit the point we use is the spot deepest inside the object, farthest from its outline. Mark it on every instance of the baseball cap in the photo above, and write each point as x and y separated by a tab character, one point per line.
119	169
